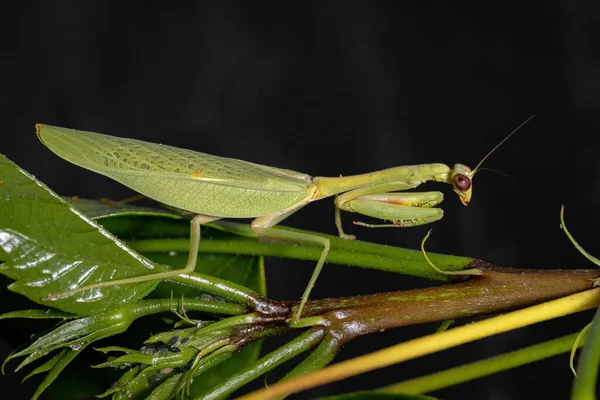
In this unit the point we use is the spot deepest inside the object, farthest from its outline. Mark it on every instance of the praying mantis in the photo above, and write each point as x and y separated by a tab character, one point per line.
215	187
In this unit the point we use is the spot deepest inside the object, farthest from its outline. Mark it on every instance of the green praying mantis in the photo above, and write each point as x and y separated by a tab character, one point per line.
215	187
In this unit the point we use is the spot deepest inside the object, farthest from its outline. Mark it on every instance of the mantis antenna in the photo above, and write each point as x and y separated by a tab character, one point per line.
477	169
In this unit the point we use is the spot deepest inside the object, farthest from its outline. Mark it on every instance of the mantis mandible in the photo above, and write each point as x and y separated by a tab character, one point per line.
217	187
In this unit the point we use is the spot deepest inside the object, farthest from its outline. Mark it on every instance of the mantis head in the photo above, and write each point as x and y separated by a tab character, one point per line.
461	178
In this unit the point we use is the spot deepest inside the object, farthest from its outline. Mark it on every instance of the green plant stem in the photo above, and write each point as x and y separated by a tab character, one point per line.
286	352
345	252
225	288
478	369
584	386
154	306
319	358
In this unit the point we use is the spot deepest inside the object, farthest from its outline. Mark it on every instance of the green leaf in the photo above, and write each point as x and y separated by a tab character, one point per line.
77	334
166	390
47	366
49	246
38	314
166	360
139	385
63	359
584	386
123	380
108	349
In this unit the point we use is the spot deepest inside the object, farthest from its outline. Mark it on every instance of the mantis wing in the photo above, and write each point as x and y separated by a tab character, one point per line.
185	179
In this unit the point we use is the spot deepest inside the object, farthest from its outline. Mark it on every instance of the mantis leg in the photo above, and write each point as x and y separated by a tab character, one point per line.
338	224
189	267
300	237
263	226
403	209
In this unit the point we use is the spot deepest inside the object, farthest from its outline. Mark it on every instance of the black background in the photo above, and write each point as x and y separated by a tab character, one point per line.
331	88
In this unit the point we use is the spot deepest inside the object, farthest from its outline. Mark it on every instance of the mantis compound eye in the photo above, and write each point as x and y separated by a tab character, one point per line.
462	182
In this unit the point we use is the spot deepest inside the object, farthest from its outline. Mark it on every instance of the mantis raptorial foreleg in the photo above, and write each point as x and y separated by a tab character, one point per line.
403	209
380	201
